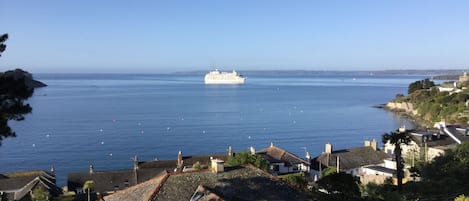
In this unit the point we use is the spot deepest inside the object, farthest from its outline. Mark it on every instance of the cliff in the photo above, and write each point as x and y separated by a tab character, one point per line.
401	107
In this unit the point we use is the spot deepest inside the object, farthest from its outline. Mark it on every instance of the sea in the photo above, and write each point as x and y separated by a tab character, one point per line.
107	119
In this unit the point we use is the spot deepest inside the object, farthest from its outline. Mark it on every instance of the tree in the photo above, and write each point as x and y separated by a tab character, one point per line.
3	38
397	138
14	90
245	157
339	186
421	84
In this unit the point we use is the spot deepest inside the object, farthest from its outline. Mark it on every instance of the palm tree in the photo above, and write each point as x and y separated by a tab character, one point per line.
87	186
397	138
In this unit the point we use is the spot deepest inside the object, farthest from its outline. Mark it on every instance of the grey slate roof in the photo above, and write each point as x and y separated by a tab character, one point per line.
274	154
350	158
236	183
105	181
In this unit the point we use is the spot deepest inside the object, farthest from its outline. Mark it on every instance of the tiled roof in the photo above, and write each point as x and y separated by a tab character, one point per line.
274	154
236	183
351	158
139	192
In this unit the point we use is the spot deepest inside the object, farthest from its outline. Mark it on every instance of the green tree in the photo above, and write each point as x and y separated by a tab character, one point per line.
339	186
297	179
245	157
421	84
3	46
397	138
13	91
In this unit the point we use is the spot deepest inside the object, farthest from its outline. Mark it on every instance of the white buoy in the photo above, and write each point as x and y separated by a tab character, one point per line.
249	137
34	145
102	142
203	131
101	130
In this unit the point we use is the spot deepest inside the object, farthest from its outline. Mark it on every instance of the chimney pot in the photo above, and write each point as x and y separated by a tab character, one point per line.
253	151
91	169
230	151
328	148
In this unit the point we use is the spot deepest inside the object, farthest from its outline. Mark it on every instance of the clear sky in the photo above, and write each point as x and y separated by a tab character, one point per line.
161	36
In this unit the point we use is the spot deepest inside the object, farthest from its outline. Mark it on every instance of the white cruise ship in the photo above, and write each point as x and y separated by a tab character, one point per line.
218	77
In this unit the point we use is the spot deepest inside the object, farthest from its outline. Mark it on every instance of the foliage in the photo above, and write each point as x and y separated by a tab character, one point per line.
384	192
328	171
245	157
197	166
461	198
397	138
421	84
297	179
70	197
449	171
339	186
443	179
3	38
13	92
40	194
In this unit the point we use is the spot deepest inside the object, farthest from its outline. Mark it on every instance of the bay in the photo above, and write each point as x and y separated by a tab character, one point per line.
106	119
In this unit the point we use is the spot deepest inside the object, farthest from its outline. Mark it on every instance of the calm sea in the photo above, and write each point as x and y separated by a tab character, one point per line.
105	120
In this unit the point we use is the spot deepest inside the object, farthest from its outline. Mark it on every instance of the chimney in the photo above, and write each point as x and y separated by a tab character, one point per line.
230	151
253	151
402	128
271	144
367	143
180	159
328	149
374	144
91	169
52	170
217	165
308	157
135	162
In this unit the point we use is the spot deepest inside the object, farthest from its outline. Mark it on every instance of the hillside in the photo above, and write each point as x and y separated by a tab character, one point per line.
428	103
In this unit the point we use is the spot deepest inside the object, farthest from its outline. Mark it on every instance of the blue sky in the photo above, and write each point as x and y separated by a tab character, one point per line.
166	36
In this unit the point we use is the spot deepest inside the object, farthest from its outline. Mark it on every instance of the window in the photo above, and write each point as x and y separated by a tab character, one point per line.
276	168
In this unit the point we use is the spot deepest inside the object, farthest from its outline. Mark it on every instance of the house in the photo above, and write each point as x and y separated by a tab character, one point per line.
20	185
351	160
222	183
429	144
282	162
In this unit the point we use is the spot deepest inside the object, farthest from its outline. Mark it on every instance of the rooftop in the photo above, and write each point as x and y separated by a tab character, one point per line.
236	183
351	158
274	154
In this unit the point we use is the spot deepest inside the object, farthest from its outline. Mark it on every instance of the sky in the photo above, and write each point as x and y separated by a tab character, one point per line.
170	36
